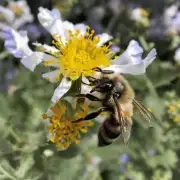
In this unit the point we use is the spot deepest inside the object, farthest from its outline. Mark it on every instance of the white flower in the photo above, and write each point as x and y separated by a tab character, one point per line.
140	15
15	15
177	55
130	62
172	19
64	33
17	44
76	51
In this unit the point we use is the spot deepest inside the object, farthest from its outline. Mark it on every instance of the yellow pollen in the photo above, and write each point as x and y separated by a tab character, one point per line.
144	12
63	129
17	10
176	119
80	54
172	108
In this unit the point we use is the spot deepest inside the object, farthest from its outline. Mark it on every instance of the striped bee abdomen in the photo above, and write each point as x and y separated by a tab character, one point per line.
108	132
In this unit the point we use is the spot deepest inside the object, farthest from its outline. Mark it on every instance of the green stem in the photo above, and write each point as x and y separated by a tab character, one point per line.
144	43
15	136
3	55
150	86
6	173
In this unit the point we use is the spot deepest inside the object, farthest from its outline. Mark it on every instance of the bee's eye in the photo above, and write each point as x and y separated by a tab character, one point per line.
107	85
117	94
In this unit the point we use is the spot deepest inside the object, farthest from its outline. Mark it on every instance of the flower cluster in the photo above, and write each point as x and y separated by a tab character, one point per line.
15	15
75	52
174	111
63	128
173	106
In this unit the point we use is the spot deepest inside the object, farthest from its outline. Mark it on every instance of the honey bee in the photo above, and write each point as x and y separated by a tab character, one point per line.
115	96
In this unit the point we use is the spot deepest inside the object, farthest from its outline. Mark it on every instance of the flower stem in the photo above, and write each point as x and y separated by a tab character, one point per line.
144	43
150	86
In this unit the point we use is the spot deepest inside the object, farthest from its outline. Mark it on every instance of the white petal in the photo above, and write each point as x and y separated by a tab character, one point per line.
134	48
134	69
104	37
33	60
7	14
51	21
46	48
51	76
132	55
63	88
17	42
177	55
68	26
85	80
81	27
150	57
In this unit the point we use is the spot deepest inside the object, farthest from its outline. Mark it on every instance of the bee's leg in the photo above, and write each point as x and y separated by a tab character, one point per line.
103	71
88	96
95	114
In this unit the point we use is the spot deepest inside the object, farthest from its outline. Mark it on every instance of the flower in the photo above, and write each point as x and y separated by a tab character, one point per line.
17	44
140	15
172	19
122	169
124	158
65	129
130	61
177	55
76	50
173	107
152	152
15	15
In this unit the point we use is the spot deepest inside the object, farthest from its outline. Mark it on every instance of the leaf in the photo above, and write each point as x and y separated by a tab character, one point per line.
162	73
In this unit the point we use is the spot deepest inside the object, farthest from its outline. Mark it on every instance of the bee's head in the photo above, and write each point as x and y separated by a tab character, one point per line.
103	85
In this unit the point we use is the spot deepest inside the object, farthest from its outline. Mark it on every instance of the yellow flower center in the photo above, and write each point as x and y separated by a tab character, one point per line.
81	54
16	9
64	130
144	13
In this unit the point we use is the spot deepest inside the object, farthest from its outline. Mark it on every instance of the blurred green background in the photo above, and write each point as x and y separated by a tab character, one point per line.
151	154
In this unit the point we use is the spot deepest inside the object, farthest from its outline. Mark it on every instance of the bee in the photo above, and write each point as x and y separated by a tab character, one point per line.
115	96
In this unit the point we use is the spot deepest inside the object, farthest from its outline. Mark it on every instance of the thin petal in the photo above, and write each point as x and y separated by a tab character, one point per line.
63	88
132	55
134	69
81	27
68	26
150	57
104	37
51	76
33	60
85	80
51	20
17	42
46	48
134	48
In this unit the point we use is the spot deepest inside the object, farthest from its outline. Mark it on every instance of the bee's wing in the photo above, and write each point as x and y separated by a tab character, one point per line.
125	124
143	110
126	130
